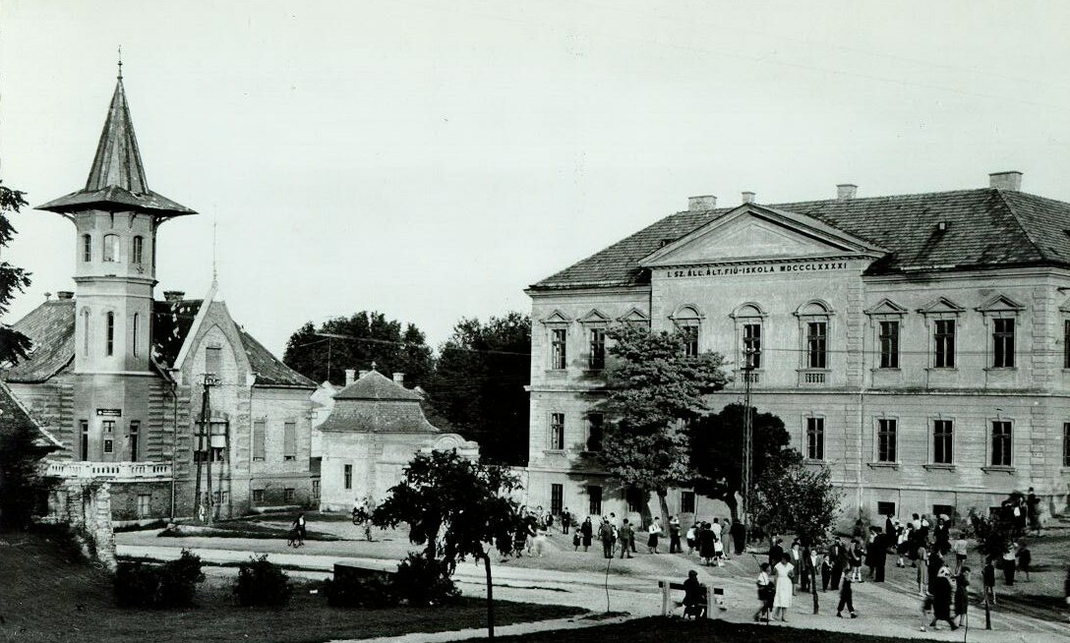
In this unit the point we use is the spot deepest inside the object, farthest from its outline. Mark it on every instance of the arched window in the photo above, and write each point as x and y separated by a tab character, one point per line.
85	332
748	318
137	318
109	341
688	319
137	254
87	248
111	247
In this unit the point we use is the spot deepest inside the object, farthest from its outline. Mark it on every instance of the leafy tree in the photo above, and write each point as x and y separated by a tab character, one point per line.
14	346
655	391
717	448
466	506
478	387
791	497
357	341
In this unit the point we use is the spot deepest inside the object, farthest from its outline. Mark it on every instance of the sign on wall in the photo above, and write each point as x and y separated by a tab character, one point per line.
110	413
759	269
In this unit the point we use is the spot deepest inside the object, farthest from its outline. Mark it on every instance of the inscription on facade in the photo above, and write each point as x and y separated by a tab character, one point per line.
770	268
110	413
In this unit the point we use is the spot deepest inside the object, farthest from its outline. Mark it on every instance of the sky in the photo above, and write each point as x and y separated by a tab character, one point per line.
430	160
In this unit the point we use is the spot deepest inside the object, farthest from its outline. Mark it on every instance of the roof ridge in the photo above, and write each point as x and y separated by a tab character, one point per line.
1018	220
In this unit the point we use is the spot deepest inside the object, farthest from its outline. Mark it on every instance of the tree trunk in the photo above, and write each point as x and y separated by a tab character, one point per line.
490	598
663	505
733	505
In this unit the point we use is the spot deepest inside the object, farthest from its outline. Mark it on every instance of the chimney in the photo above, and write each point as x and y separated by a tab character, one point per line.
399	379
748	197
845	191
1005	180
174	295
351	375
363	373
64	294
701	203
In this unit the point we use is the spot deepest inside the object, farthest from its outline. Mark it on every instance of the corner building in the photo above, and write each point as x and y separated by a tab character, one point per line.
918	345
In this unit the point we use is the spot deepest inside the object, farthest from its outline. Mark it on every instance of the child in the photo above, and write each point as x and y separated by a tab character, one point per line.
1025	558
846	598
765	594
718	553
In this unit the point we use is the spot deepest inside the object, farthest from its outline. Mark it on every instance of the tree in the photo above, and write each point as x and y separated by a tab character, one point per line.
478	386
717	448
794	498
14	346
466	506
655	391
350	342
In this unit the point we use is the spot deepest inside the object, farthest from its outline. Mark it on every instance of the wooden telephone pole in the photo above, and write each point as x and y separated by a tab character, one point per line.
203	447
748	439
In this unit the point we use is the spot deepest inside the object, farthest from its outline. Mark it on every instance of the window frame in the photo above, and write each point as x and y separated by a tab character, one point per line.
889	344
687	502
347	477
1005	442
595	497
257	497
137	252
259	439
1003	341
814	437
1066	445
134	437
948	458
556	431
882	433
557	498
601	423
289	441
688	321
596	347
112	247
109	334
945	344
87	248
558	348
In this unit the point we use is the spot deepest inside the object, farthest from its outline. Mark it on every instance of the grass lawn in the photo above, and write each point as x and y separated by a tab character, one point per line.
243	529
658	630
46	596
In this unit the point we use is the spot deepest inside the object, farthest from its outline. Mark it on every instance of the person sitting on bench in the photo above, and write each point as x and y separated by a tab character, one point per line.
694	596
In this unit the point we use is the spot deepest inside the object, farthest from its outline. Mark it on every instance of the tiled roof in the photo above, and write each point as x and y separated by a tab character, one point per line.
985	228
18	420
377	404
51	328
376	386
117	178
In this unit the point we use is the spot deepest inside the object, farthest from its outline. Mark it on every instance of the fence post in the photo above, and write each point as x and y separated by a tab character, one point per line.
664	585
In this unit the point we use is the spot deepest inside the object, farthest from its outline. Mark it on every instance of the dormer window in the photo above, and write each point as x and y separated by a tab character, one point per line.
111	247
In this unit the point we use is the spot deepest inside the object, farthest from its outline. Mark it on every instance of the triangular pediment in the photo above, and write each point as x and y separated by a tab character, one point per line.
595	317
634	316
1000	303
557	317
753	232
941	305
887	307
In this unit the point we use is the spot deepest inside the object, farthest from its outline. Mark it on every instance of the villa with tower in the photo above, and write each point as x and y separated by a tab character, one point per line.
168	400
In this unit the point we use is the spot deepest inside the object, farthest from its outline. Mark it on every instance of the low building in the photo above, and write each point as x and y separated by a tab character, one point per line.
917	345
375	427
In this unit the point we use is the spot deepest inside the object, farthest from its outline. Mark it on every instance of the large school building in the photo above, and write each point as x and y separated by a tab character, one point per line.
917	345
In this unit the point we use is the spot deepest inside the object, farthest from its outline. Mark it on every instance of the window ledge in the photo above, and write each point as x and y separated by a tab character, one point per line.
997	469
938	466
814	461
886	369
1001	369
883	465
557	372
944	369
554	451
593	372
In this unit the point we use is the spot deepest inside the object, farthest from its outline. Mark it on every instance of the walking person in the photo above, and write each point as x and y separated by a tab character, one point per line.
765	593
1032	505
960	547
826	571
627	535
988	580
1010	563
838	553
738	532
654	532
784	585
566	520
921	561
587	532
605	535
691	538
1025	559
941	591
880	556
674	535
706	542
298	531
846	599
776	552
796	564
962	596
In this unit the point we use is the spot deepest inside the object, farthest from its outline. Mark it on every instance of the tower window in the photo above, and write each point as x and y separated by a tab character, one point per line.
85	331
139	244
87	248
83	440
135	440
213	355
137	319
111	247
109	343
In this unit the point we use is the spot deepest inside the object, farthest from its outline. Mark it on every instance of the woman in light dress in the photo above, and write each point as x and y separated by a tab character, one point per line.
782	573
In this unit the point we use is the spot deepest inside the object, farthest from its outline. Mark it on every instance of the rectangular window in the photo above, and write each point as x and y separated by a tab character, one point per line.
83	440
888	338
752	345
1003	343
946	510
288	494
594	500
315	488
347	476
595	426
1066	444
111	247
687	502
87	248
817	345
690	334
596	361
259	436
258	496
943	441
634	498
558	359
109	337
144	505
138	250
289	441
885	508
815	438
135	440
944	343
1066	343
557	499
212	357
1001	443
887	440
557	431
109	445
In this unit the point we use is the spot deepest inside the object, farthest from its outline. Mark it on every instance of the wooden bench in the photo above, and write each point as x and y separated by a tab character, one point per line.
715	597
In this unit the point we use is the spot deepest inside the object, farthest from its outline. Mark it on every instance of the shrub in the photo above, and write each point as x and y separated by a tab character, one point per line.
373	591
261	582
172	584
420	581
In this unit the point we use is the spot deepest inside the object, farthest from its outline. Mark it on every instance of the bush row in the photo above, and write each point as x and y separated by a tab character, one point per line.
418	581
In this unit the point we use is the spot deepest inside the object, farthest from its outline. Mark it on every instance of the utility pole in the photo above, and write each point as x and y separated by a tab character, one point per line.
204	447
748	438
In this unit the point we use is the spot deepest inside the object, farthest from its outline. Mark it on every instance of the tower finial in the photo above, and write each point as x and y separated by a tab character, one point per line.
215	271
120	62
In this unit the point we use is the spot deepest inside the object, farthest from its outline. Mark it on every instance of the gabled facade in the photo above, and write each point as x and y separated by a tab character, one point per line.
914	344
117	376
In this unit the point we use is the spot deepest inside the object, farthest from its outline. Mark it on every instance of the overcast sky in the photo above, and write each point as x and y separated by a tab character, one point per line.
431	159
